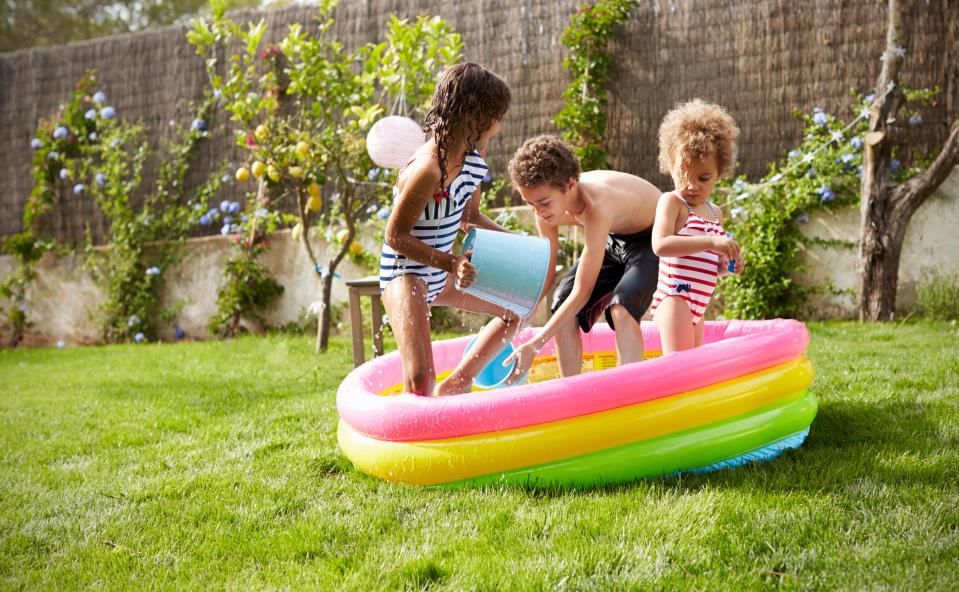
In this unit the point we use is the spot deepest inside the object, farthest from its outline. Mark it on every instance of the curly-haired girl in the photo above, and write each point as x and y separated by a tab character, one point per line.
697	145
437	194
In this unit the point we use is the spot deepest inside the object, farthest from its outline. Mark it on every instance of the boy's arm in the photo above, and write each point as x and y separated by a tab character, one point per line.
597	231
474	217
551	233
666	243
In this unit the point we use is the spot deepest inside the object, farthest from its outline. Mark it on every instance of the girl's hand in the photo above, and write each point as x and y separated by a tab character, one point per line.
723	265
463	271
726	246
740	265
523	356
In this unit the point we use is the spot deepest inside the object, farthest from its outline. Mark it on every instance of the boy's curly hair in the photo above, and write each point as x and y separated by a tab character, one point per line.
468	95
695	130
544	160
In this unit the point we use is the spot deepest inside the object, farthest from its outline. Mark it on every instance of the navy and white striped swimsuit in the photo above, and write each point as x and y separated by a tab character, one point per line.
437	226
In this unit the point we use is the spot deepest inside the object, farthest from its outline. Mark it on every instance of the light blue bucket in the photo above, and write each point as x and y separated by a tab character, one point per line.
494	375
510	268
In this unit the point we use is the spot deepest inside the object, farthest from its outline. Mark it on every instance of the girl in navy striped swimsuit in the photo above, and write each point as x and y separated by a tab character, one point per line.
436	195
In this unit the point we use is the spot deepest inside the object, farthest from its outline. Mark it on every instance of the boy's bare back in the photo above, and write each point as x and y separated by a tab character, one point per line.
627	201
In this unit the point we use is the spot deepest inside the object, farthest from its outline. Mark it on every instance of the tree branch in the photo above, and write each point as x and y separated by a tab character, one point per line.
924	184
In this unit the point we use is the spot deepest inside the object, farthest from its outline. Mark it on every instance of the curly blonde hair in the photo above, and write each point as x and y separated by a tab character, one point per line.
544	160
694	130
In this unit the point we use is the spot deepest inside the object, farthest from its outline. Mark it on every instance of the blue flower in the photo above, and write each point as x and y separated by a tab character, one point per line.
108	112
78	188
894	165
92	136
153	271
812	172
100	97
915	120
244	219
235	207
739	186
794	153
227	219
802	218
225	230
224	206
213	214
139	337
101	179
225	178
820	118
261	213
60	133
856	142
53	155
133	320
371	210
870	98
383	213
64	173
90	114
737	212
205	220
198	125
180	333
487	178
36	144
847	157
826	194
373	174
217	94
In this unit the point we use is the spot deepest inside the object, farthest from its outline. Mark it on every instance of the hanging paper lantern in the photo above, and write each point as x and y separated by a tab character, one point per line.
393	140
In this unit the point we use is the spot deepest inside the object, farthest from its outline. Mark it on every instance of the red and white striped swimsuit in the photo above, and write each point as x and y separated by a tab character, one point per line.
691	277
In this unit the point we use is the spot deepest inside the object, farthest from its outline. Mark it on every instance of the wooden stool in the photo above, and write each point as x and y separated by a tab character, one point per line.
367	286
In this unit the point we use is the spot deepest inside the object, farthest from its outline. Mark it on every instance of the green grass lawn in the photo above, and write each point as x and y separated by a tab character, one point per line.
214	466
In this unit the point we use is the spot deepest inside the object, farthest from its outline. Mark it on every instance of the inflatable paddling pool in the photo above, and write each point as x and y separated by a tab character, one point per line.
742	396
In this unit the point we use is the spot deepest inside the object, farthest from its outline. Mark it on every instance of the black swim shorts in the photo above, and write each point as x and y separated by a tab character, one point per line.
628	277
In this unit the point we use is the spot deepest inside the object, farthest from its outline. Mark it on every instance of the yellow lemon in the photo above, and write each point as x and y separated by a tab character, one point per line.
261	133
258	169
341	235
242	174
273	173
314	190
315	203
356	248
296	172
302	149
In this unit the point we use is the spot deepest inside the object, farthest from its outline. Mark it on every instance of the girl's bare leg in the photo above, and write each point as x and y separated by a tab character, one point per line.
405	301
491	339
675	324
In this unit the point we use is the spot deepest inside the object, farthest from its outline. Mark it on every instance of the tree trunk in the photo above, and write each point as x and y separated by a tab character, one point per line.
323	318
878	251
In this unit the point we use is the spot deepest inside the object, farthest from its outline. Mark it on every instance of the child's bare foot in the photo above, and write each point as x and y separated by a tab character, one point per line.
453	385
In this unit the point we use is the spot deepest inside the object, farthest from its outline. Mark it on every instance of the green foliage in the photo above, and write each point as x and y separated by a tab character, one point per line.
56	22
583	117
248	289
822	173
939	298
87	150
305	105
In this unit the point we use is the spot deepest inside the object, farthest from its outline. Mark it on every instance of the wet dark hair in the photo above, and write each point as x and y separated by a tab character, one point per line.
468	95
